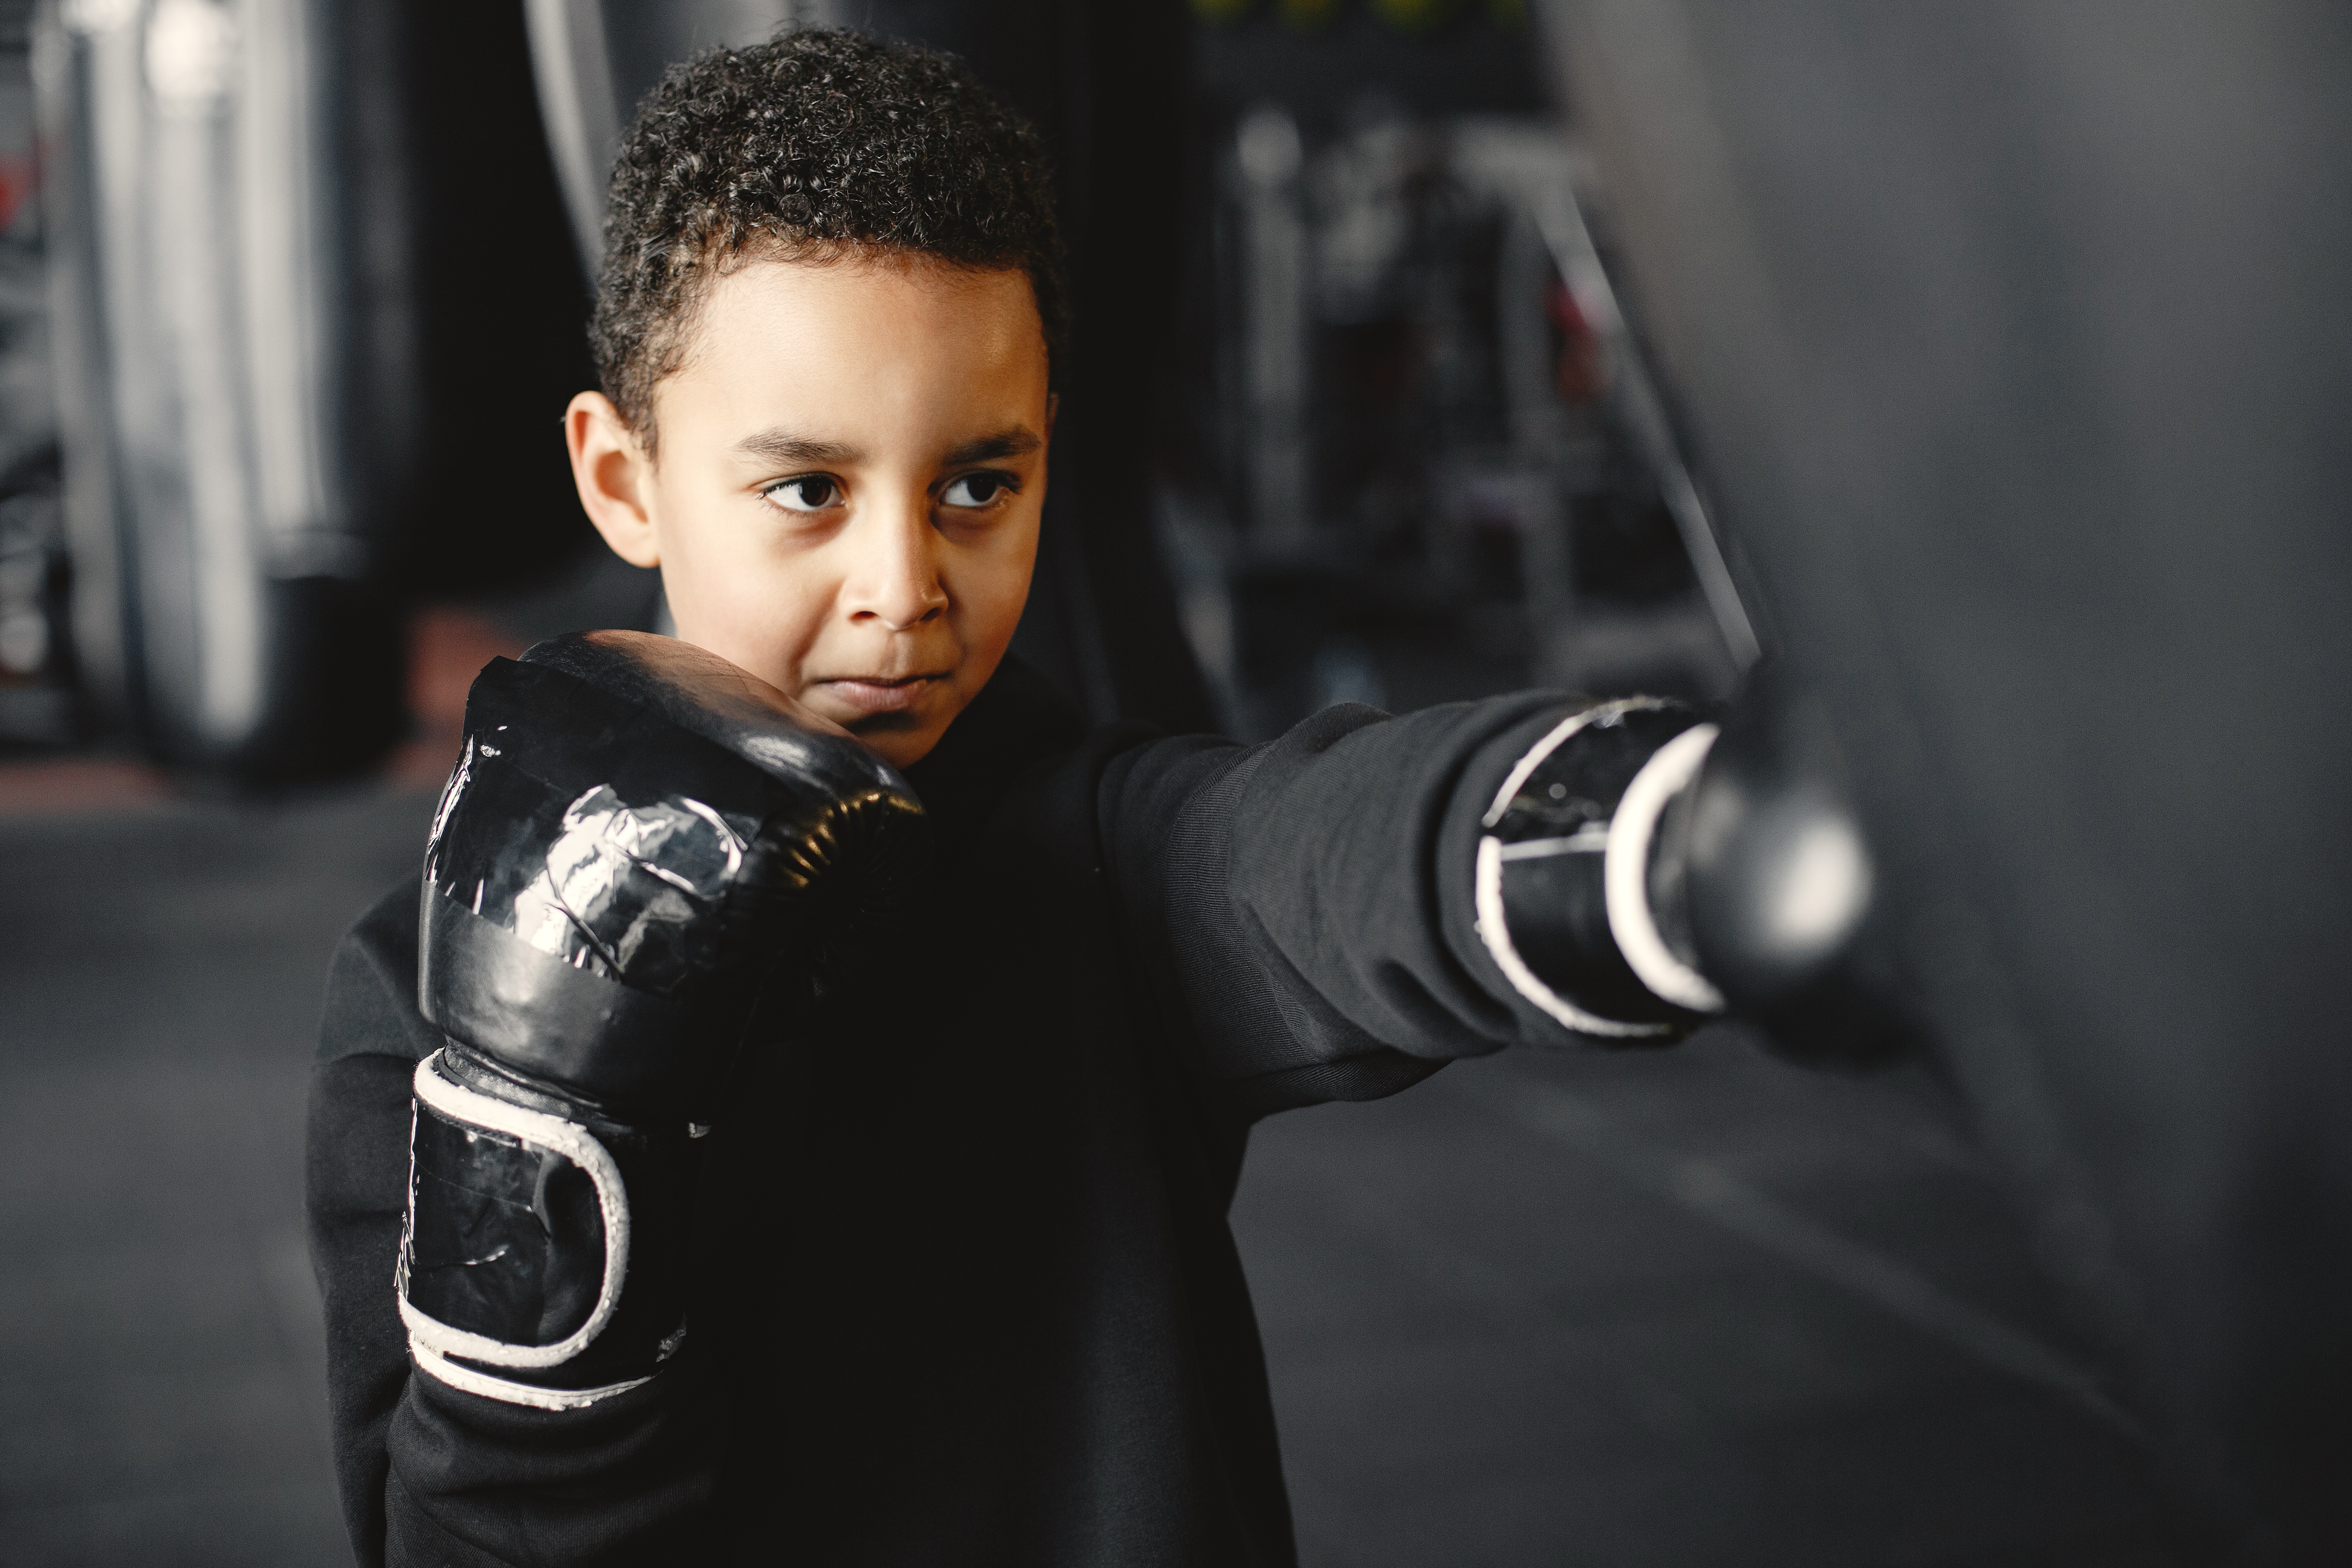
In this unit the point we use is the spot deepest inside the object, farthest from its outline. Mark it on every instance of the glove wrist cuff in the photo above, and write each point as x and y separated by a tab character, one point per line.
1566	869
543	1247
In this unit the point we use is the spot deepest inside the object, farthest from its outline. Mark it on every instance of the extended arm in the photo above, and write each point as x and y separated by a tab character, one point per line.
1339	913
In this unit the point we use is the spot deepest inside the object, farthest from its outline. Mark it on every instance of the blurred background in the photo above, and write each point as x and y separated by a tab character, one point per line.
1427	349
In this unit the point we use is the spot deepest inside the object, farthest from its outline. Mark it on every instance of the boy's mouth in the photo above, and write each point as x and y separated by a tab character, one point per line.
879	694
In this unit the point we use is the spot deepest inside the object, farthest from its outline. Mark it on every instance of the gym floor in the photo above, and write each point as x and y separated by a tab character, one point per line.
1684	1307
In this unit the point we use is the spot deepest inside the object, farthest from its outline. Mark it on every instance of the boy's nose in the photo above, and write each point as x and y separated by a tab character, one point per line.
895	577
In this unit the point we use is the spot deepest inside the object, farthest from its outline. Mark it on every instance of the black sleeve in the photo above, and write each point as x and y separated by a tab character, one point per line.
428	1473
1304	908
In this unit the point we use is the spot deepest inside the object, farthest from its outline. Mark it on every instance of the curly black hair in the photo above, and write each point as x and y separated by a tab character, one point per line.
813	146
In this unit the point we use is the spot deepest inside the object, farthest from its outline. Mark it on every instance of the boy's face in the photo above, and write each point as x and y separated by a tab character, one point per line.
851	465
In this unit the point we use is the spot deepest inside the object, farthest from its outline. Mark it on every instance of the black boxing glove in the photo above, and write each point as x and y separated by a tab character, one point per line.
1643	868
638	838
1569	872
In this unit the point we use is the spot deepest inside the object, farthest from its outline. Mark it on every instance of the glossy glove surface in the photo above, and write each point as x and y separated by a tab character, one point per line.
636	831
636	838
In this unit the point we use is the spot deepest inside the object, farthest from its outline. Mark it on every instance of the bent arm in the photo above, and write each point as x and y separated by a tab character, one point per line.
430	1474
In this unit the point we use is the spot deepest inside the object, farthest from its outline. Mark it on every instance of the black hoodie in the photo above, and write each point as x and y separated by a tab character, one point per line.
966	1293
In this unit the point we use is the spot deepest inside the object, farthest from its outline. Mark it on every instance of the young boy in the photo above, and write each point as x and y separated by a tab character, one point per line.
944	1210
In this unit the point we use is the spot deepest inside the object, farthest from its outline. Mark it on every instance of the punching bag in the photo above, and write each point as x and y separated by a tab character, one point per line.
317	313
2016	343
209	331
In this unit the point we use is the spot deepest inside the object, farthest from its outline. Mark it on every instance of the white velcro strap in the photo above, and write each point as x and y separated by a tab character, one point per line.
467	1380
1625	872
537	1128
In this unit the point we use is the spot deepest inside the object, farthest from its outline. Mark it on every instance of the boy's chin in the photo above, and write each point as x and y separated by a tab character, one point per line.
901	740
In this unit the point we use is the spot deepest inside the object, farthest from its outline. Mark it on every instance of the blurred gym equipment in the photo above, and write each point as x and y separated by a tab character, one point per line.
2017	346
313	307
1422	457
34	665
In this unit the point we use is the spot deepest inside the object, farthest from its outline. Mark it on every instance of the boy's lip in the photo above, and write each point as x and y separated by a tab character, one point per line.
880	693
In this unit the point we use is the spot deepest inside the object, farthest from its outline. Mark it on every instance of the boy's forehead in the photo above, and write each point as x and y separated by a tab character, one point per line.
893	300
859	335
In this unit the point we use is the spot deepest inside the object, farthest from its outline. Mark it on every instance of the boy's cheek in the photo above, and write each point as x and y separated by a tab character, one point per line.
749	625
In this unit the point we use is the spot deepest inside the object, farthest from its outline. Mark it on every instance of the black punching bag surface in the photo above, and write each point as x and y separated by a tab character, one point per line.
2017	343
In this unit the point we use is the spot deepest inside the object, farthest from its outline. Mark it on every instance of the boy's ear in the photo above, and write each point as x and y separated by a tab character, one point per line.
614	476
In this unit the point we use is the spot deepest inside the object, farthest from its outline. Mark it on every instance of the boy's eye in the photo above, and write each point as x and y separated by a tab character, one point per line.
977	489
809	492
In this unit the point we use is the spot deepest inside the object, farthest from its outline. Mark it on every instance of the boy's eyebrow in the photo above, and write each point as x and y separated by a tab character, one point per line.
782	447
1017	442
